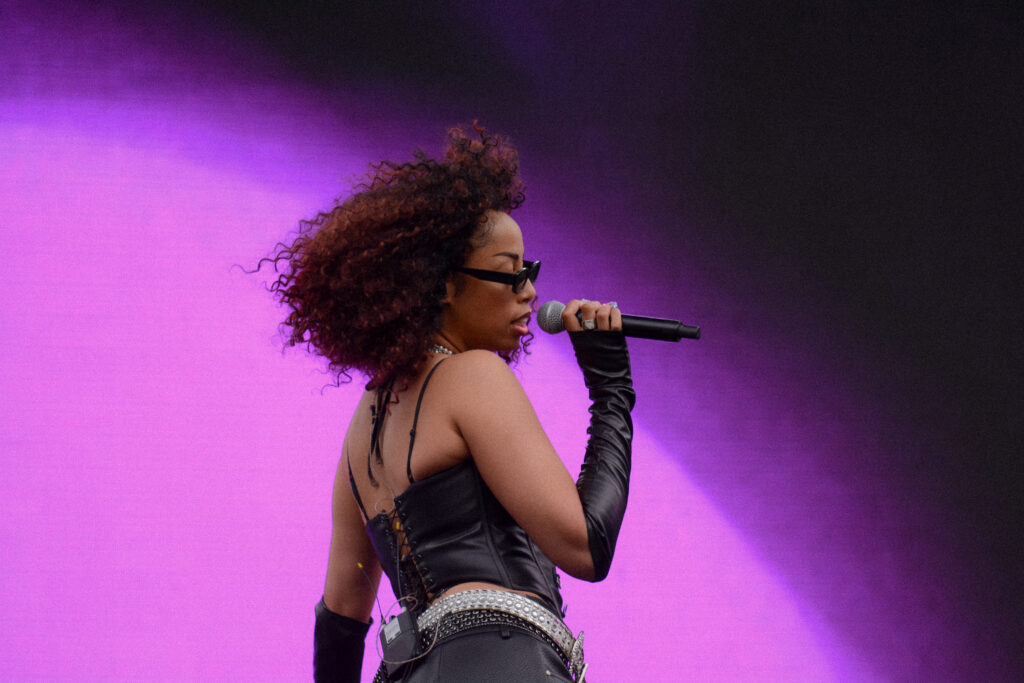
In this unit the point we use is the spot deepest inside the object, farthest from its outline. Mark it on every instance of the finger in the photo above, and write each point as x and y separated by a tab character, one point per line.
604	317
616	319
588	314
569	319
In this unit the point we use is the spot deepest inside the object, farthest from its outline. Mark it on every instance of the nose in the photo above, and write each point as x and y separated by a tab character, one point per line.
528	292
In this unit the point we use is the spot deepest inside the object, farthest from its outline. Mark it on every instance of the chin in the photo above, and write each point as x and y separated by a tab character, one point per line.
501	346
513	346
506	344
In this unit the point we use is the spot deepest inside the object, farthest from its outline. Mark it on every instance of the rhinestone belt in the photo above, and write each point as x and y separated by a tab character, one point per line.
513	604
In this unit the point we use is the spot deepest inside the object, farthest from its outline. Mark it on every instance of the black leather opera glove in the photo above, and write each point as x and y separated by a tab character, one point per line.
337	646
603	483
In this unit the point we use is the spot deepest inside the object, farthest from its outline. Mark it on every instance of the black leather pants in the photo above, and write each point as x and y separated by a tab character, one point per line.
494	654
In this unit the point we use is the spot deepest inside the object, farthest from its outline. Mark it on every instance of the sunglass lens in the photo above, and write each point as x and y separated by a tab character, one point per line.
528	273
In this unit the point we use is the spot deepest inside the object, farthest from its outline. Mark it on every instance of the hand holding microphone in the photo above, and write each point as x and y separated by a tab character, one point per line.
583	314
553	317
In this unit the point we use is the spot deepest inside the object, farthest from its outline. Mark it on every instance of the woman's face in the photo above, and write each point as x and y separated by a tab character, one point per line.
489	315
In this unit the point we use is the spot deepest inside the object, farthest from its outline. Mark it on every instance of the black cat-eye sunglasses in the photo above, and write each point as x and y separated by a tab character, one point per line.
517	280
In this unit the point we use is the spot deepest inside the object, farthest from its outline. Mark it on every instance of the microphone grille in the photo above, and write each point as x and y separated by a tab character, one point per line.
549	317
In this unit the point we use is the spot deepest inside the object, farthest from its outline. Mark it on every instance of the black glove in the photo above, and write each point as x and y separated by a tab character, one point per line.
603	483
337	646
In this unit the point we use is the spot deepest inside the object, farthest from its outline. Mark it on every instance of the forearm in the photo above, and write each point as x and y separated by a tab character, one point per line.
603	484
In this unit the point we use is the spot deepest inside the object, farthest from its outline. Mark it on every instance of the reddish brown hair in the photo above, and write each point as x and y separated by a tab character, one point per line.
365	281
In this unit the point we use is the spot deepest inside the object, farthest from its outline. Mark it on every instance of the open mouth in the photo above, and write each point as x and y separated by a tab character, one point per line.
522	325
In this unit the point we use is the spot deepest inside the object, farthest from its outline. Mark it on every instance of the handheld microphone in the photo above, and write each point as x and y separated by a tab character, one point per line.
549	319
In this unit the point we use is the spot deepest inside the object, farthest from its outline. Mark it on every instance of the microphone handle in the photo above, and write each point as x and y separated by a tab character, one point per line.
657	328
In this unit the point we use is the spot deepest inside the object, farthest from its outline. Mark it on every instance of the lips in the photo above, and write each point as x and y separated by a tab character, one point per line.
522	324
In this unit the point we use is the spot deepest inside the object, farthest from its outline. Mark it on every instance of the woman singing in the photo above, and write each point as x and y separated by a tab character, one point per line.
446	481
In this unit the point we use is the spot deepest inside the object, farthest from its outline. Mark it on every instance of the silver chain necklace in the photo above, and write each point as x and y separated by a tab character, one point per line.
440	348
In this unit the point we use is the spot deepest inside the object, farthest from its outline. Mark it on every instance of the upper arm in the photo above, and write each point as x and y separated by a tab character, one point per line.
517	461
353	571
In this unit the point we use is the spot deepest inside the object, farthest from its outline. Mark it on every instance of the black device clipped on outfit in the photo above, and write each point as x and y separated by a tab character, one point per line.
399	641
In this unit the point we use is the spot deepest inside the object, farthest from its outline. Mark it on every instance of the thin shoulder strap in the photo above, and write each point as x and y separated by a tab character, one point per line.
352	483
416	418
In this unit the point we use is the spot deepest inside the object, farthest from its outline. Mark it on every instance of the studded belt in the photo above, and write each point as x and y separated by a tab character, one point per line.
505	602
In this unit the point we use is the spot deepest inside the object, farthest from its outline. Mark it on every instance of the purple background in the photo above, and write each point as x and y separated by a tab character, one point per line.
827	485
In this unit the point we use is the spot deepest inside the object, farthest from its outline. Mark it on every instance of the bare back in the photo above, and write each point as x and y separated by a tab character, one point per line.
436	445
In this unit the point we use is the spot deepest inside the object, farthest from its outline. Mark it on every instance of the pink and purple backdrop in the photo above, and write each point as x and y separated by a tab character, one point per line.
800	511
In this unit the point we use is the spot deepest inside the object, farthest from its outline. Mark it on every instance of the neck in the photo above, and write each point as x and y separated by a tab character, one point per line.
446	343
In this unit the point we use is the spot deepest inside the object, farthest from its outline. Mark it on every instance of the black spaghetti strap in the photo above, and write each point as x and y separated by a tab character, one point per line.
352	484
416	419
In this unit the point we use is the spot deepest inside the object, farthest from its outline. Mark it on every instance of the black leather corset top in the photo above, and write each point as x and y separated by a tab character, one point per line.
448	529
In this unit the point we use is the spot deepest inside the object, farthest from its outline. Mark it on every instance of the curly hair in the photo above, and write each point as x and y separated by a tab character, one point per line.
365	280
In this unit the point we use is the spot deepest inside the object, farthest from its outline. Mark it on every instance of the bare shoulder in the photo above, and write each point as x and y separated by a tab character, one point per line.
365	400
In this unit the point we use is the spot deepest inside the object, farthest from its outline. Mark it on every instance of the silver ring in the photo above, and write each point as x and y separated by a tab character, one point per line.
589	325
613	304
